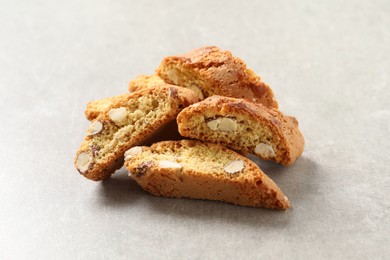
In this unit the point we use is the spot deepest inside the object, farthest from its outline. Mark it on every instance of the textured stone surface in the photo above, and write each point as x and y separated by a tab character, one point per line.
328	64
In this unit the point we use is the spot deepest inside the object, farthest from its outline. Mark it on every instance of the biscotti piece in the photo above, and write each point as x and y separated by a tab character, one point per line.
211	71
243	126
193	169
144	81
129	121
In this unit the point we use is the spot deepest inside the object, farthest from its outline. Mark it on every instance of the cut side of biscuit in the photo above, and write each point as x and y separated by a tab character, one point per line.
128	121
193	169
243	126
211	71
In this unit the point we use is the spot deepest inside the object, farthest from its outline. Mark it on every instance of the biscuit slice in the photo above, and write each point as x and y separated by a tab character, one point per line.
211	71
129	121
193	169
244	126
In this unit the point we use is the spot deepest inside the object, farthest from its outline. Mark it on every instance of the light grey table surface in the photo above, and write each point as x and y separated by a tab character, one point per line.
328	63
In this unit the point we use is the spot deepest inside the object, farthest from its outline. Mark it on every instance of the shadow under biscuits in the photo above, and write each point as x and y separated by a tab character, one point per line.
119	190
168	132
298	182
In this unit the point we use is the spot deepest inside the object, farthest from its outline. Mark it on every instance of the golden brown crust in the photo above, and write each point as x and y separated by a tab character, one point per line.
216	72
249	187
254	124
145	112
145	81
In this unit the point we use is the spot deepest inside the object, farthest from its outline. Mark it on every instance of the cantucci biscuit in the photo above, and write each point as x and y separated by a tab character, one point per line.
243	126
193	169
211	71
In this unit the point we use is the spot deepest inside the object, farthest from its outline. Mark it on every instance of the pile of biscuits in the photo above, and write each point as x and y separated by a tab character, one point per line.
185	131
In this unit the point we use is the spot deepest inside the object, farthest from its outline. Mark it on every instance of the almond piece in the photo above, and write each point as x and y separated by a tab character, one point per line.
265	150
197	90
225	124
117	115
213	124
169	164
95	128
83	162
132	151
234	166
173	77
